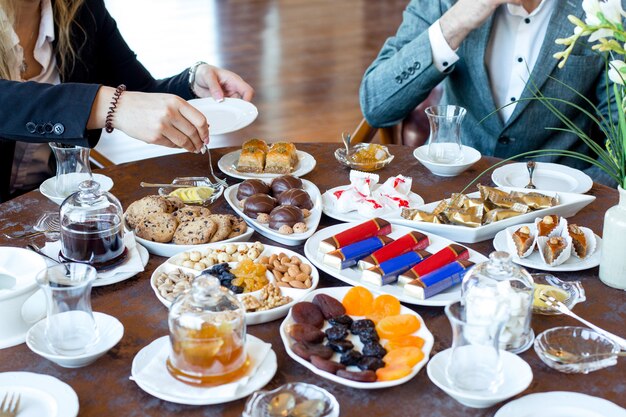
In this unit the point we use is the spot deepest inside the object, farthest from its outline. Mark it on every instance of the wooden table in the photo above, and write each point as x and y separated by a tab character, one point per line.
104	387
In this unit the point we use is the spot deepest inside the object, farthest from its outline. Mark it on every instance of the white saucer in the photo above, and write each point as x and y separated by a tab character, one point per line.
228	165
122	276
560	404
227	116
201	396
547	176
40	395
517	377
470	157
110	332
47	188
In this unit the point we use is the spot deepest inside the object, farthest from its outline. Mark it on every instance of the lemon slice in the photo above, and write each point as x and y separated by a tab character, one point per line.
546	290
192	194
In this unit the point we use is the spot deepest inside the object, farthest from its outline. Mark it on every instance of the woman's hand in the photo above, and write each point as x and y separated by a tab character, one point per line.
219	83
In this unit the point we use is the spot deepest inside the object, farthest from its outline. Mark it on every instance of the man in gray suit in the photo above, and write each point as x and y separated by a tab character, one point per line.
490	53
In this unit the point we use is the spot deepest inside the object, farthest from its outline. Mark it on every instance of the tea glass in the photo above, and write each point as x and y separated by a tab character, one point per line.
444	142
475	364
73	167
70	327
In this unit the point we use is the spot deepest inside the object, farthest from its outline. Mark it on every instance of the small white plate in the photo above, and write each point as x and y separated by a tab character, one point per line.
110	332
517	377
143	253
470	157
294	239
547	177
227	116
534	260
228	165
354	216
47	188
560	404
352	276
197	396
40	395
338	293
256	317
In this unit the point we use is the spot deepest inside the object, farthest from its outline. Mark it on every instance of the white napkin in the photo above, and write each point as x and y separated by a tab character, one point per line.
132	264
156	376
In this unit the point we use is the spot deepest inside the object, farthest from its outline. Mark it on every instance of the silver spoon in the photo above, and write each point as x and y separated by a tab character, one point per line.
346	138
38	250
530	165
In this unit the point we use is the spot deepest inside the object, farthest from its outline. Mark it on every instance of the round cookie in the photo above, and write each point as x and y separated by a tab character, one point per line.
190	213
174	203
143	207
239	228
157	227
195	232
224	226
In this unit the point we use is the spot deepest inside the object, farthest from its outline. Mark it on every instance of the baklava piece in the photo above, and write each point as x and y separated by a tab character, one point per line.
553	249
578	240
548	224
523	240
252	157
281	158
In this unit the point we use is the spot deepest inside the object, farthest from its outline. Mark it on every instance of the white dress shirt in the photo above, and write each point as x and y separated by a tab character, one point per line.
512	51
30	161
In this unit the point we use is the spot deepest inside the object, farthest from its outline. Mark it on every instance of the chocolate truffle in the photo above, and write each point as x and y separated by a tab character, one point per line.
284	183
258	203
251	187
285	215
295	197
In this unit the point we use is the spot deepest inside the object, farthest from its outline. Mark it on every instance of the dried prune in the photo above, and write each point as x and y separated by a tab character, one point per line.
309	313
368	335
326	365
360	325
336	333
351	357
329	306
370	363
344	320
306	350
374	349
364	376
340	346
236	289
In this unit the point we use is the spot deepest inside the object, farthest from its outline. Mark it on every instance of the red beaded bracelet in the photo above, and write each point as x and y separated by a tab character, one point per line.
108	124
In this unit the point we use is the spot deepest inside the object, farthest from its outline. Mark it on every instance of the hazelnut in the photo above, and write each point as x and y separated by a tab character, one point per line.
299	227
263	218
285	230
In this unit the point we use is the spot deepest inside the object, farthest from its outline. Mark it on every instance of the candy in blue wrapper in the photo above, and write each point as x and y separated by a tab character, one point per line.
437	281
349	255
388	271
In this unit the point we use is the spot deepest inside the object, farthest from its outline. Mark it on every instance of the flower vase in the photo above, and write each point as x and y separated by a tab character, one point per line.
613	259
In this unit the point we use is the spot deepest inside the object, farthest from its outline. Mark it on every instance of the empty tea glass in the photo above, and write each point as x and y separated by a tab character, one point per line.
72	167
70	326
444	142
475	363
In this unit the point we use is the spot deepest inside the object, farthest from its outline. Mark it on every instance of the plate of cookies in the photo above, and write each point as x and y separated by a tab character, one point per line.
285	209
268	280
551	244
257	159
166	226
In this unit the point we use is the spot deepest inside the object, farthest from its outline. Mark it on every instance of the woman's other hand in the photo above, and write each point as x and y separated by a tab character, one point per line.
219	83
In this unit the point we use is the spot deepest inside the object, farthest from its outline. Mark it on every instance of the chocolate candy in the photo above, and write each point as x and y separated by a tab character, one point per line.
284	215
439	280
295	197
284	183
258	203
252	187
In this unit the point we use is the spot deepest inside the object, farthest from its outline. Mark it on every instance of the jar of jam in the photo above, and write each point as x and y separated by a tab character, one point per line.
207	335
92	230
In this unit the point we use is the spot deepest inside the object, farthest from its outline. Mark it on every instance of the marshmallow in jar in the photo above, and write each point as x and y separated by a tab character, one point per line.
496	286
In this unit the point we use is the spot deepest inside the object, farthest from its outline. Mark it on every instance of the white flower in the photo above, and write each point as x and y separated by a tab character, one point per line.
591	8
610	9
615	71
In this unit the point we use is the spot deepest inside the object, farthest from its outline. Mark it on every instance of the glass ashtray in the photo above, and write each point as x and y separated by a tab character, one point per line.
200	190
365	157
569	293
297	400
579	350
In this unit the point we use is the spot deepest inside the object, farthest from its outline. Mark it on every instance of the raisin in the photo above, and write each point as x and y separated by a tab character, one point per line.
370	363
236	289
345	320
374	349
340	346
336	333
351	357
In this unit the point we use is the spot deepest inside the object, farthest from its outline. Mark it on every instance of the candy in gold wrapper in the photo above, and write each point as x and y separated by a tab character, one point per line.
470	217
534	200
471	202
443	205
499	214
420	216
508	203
489	193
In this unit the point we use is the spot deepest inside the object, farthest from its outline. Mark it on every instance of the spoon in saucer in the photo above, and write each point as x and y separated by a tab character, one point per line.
530	165
346	138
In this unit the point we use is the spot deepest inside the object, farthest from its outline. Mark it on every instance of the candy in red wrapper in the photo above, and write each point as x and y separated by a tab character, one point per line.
445	256
411	241
371	228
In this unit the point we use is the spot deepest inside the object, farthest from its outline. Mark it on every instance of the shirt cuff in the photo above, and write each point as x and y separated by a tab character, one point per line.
443	56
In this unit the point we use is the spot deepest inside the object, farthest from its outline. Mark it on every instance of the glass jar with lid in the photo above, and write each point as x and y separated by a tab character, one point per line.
495	284
207	335
91	227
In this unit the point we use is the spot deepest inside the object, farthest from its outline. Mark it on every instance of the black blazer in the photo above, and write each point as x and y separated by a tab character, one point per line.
37	112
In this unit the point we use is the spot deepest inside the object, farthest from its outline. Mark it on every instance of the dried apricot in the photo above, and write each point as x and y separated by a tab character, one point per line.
392	372
404	341
396	326
407	356
358	301
384	306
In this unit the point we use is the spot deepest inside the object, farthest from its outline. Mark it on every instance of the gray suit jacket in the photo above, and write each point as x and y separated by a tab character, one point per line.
403	74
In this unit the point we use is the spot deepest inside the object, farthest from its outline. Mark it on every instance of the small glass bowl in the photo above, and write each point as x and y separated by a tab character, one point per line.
195	182
259	402
574	289
576	350
340	155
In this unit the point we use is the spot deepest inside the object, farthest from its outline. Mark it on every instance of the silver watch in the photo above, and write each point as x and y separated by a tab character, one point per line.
192	77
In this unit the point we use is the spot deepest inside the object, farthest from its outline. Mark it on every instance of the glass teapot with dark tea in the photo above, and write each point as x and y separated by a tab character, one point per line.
92	230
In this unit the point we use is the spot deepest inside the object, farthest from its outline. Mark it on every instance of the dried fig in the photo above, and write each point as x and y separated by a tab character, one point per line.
329	306
306	350
365	376
302	332
307	313
326	365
